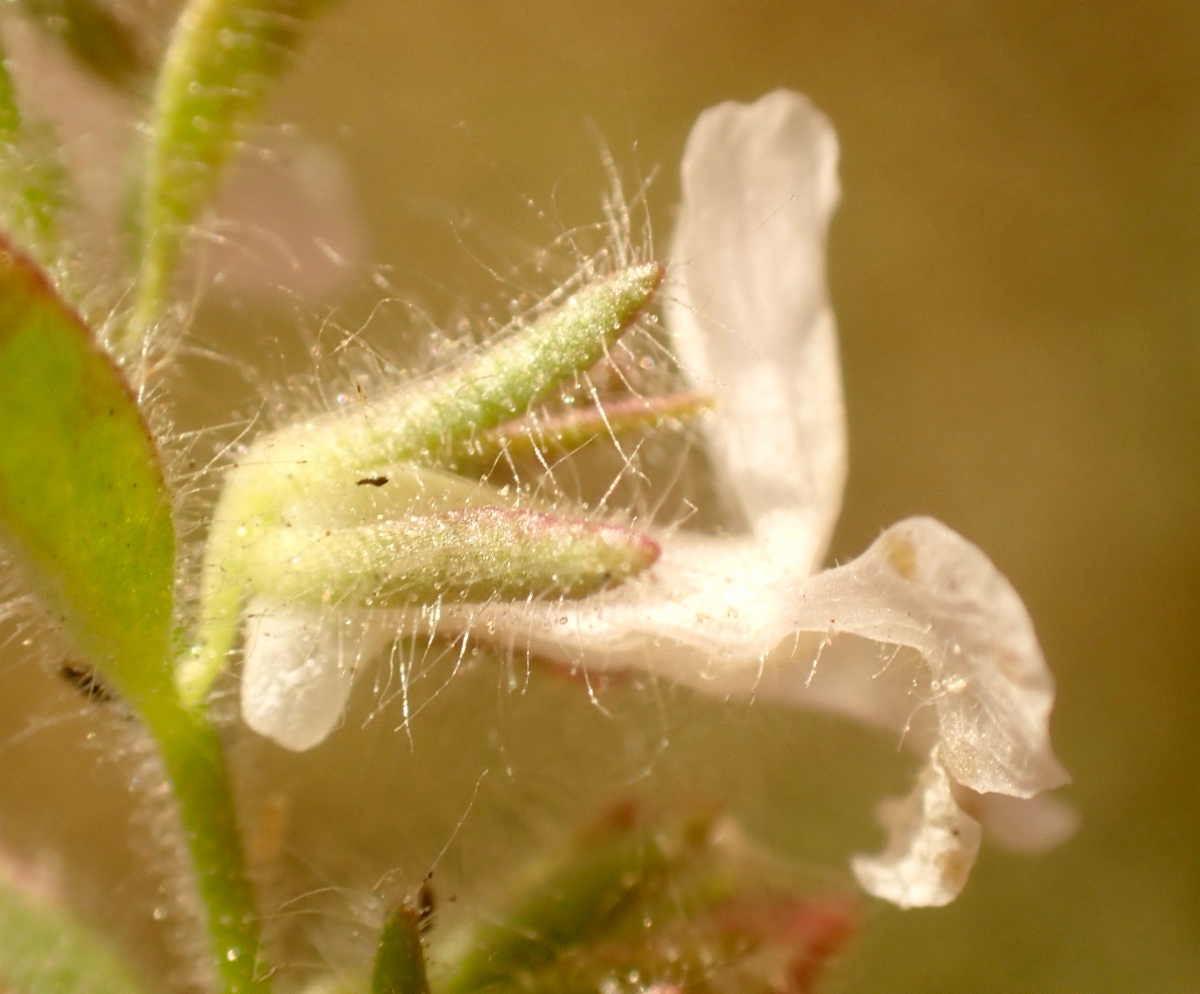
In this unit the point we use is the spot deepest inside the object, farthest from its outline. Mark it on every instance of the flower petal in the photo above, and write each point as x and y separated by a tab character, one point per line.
298	669
932	845
751	319
1026	825
724	617
924	586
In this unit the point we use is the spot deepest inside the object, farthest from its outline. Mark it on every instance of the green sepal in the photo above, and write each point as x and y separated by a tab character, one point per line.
318	475
466	556
441	420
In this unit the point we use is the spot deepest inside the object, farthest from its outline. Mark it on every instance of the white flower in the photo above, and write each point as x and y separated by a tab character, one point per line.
747	616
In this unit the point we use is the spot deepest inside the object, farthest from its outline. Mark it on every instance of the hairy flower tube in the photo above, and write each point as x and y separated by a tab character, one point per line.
920	636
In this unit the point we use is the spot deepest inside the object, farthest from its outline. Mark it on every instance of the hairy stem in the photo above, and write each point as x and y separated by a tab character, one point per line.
199	778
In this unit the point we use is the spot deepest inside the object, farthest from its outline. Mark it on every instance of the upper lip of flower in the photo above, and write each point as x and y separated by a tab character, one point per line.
747	616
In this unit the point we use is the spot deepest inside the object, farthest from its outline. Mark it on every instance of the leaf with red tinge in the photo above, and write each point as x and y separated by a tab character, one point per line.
84	509
643	905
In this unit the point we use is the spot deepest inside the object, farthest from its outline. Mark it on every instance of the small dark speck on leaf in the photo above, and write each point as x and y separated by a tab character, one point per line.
372	481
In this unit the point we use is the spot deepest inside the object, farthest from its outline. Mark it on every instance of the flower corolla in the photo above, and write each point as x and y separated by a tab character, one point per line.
749	614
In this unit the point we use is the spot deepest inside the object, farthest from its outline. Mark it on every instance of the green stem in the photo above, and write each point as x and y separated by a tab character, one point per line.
196	768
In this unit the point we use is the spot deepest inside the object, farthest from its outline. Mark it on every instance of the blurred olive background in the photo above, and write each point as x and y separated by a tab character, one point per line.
1016	272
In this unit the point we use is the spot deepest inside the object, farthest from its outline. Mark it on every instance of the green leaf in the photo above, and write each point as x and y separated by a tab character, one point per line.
94	36
222	57
84	510
44	950
400	960
86	515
